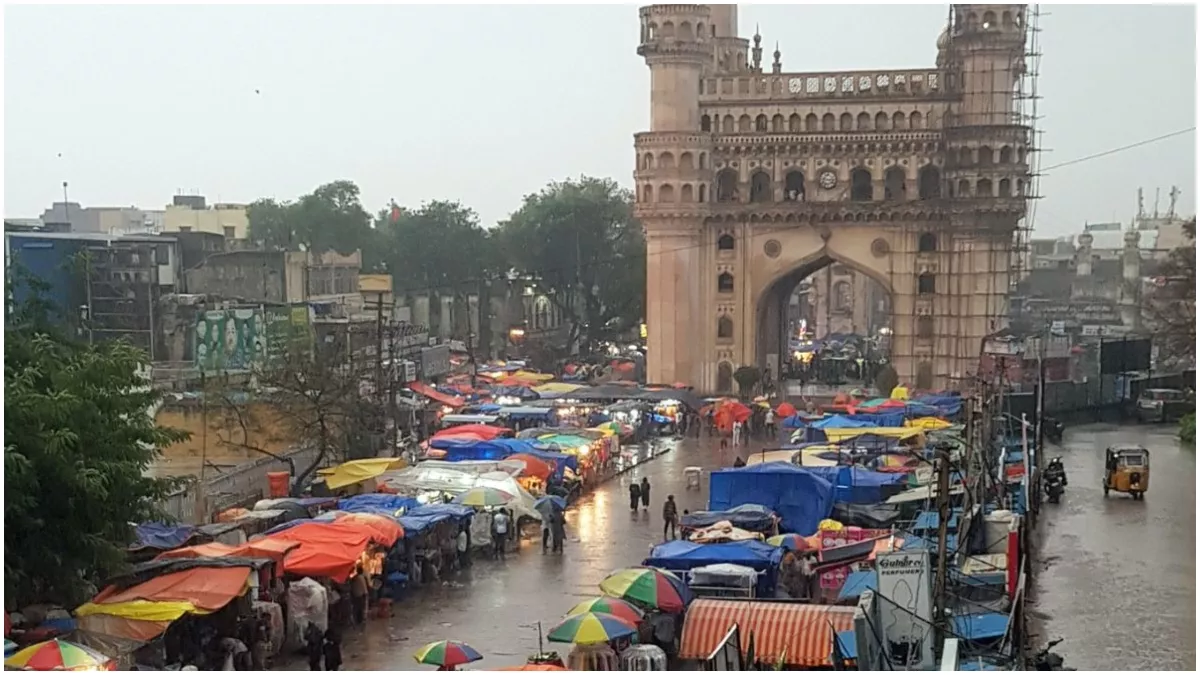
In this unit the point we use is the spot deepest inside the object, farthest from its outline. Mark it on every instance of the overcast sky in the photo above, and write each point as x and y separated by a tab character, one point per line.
486	104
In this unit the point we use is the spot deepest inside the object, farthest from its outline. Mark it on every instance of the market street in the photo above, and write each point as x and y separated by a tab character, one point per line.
495	606
1117	577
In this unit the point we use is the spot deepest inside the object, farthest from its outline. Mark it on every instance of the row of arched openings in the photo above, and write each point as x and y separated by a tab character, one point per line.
666	160
984	187
986	156
666	194
828	122
654	31
862	186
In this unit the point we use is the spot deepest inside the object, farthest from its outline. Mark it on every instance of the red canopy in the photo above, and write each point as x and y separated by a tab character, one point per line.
433	394
483	432
785	409
326	549
534	466
272	549
208	588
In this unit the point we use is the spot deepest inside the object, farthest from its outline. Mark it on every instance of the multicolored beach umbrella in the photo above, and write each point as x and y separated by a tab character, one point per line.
57	655
446	653
606	605
791	541
484	496
590	628
648	587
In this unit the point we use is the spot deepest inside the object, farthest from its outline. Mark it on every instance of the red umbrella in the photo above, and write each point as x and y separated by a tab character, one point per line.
785	409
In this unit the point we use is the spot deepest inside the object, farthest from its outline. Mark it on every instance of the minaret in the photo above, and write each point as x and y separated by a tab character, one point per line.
777	65
1131	276
756	53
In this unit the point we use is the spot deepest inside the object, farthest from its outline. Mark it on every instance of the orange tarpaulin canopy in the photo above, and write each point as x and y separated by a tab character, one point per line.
798	633
385	531
326	549
433	394
273	549
208	588
484	432
534	466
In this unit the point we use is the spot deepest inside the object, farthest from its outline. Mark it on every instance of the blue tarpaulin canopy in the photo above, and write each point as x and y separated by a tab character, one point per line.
841	422
493	450
983	626
753	517
681	556
416	525
162	537
855	485
802	499
453	510
383	504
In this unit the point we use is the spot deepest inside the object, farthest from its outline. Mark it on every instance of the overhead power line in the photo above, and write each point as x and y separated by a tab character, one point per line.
1123	148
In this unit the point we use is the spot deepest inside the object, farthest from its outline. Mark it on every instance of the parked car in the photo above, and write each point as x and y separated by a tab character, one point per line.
1163	405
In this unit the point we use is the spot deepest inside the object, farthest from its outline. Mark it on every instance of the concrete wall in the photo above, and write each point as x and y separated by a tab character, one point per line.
213	220
224	442
252	275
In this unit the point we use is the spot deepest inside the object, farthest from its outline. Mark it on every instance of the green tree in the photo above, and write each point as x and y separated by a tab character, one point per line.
578	243
747	377
1170	308
440	247
78	440
331	217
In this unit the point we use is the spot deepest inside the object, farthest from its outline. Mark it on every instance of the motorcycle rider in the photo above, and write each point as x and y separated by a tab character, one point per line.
1055	468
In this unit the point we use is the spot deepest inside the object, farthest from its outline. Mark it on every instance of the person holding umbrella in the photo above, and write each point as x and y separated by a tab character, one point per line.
446	654
634	494
645	490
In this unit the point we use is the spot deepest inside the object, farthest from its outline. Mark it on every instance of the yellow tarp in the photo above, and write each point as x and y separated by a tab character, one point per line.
141	610
532	377
900	393
557	388
358	470
927	423
839	435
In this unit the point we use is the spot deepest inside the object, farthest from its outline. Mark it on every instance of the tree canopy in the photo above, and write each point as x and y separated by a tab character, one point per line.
78	440
1170	308
331	217
578	242
439	246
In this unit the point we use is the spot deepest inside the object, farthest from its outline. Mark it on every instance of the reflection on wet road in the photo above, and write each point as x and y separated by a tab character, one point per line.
495	606
1117	577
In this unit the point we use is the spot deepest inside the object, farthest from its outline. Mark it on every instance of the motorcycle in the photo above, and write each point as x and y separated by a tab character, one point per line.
1052	429
1048	660
1055	467
1054	488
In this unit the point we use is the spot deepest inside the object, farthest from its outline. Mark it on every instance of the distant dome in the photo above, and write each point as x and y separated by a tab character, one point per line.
944	39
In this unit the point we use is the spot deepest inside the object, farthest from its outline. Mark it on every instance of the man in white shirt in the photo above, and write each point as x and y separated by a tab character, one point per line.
500	527
770	422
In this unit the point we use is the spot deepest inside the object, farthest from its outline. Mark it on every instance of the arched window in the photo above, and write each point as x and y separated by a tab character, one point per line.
725	242
1020	155
724	282
724	328
745	124
924	376
864	121
668	30
989	20
685	193
1005	187
727	186
1006	154
966	157
926	284
1020	188
777	124
843	298
986	156
983	188
861	189
648	161
705	123
899	120
810	122
686	162
703	193
760	187
927	242
793	186
964	188
894	188
929	182
648	193
795	124
915	121
828	122
666	194
925	327
846	122
685	29
760	123
666	161
724	377
1006	19
728	125
881	121
704	160
700	31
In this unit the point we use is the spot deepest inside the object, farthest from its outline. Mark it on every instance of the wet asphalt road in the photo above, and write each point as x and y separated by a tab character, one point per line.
1117	578
495	605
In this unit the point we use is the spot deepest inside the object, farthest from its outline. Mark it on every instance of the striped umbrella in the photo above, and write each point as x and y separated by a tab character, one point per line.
446	653
483	496
606	605
791	541
57	655
648	587
590	628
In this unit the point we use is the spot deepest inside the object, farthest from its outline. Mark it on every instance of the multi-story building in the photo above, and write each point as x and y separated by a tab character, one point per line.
750	180
190	213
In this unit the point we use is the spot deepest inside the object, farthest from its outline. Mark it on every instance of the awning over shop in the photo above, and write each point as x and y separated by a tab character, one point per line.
273	549
435	395
358	470
799	633
209	588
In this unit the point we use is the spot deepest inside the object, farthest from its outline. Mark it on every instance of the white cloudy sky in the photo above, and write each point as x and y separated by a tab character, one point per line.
485	104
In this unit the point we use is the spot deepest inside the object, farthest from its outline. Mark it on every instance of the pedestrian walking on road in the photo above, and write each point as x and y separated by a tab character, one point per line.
358	597
500	527
635	492
558	530
313	645
737	433
645	493
333	649
770	422
670	517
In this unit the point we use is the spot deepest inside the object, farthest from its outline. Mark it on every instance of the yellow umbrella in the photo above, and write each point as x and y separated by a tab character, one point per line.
358	470
557	388
927	423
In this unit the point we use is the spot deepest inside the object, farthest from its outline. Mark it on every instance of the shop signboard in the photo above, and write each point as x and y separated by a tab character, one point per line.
288	328
435	361
903	590
410	338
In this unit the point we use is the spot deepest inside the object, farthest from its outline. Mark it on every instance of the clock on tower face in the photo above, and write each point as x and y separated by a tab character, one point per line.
827	179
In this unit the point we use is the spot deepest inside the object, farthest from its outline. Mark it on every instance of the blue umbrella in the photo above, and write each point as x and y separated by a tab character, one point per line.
551	499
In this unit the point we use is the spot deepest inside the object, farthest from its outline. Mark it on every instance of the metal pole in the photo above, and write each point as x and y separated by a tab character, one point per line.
943	504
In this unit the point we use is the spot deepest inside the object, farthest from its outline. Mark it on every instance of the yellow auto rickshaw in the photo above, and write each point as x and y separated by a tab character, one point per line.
1127	469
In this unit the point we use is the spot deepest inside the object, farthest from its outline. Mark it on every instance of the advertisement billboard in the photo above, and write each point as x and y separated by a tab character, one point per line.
229	340
903	591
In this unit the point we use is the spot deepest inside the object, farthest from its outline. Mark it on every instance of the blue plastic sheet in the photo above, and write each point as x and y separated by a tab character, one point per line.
161	536
857	582
856	485
801	498
983	626
457	511
681	556
383	504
